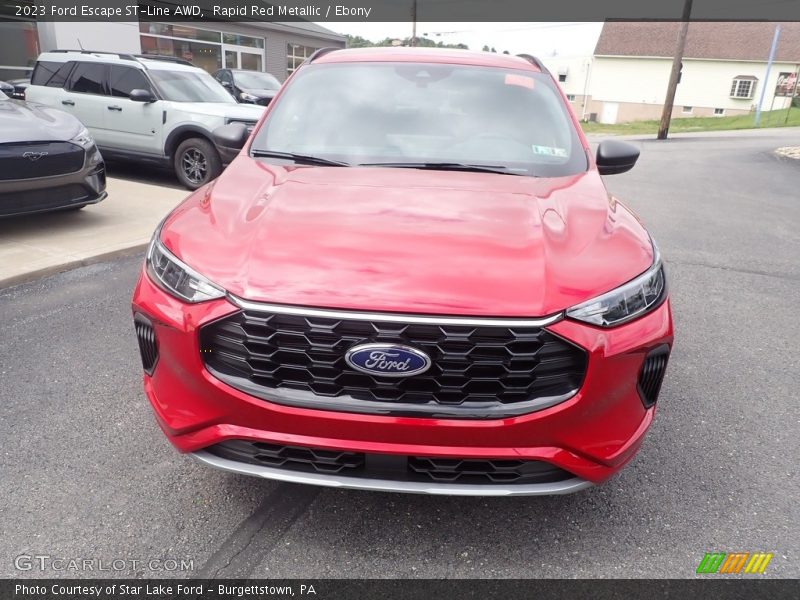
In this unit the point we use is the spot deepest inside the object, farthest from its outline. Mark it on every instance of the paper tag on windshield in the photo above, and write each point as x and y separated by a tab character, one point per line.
520	80
549	151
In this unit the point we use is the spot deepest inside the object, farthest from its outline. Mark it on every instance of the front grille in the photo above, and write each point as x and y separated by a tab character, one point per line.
476	371
391	467
652	375
307	460
148	348
42	199
455	470
19	161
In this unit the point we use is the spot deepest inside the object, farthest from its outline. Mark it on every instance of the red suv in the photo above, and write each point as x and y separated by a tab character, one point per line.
411	278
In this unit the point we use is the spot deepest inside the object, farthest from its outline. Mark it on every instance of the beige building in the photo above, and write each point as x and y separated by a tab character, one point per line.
574	76
724	69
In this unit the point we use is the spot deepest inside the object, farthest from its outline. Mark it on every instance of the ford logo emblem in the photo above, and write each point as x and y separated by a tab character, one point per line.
387	360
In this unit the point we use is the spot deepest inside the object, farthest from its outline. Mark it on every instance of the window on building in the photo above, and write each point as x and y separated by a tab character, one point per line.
687	110
562	77
571	97
295	55
743	87
19	47
718	112
203	55
242	40
180	30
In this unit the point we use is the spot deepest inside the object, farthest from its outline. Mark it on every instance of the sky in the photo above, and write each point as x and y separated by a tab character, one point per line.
541	39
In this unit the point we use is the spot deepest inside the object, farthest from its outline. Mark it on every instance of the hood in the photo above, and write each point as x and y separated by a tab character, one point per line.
230	110
403	240
29	122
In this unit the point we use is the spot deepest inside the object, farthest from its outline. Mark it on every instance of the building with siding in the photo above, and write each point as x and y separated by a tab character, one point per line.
723	72
573	74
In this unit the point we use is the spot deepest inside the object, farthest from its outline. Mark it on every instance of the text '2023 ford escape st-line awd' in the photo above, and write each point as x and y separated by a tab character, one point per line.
411	278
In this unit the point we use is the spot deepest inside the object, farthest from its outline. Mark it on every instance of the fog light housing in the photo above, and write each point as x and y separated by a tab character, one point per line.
148	346
652	375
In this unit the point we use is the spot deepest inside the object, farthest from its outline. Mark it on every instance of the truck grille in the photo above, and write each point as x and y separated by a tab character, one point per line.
39	159
485	371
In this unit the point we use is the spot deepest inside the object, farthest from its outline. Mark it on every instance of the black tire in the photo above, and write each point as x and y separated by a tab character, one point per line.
196	162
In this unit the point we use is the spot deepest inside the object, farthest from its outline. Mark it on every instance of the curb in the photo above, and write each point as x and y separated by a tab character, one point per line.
16	280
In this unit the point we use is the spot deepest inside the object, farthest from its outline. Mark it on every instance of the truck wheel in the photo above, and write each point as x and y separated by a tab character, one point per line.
196	163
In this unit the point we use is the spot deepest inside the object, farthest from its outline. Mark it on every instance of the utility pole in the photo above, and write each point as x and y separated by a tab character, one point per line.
669	101
772	49
414	23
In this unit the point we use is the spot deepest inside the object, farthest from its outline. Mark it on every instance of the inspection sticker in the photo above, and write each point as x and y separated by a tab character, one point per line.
549	151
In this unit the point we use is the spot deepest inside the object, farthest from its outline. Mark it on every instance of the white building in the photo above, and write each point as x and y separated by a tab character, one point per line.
574	76
723	73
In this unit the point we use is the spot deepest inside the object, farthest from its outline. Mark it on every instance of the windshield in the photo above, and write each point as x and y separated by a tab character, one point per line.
407	113
256	81
189	86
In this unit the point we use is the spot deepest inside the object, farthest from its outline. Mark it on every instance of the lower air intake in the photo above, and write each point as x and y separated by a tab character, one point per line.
146	336
652	374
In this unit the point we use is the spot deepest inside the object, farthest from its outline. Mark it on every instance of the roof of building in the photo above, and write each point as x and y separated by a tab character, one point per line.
705	40
302	28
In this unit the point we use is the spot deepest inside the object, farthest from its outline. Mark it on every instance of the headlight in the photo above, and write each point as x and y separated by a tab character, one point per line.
245	97
628	301
176	277
84	138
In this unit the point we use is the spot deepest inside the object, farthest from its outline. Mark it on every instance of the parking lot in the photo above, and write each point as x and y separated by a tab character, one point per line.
87	474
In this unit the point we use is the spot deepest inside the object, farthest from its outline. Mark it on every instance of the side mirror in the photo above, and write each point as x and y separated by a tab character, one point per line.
6	88
615	157
232	136
139	95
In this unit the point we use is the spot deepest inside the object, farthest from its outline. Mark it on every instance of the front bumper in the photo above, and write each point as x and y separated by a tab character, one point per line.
590	436
43	194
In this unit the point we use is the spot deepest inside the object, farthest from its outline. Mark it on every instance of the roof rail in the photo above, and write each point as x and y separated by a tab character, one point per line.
534	61
172	59
136	57
321	52
121	55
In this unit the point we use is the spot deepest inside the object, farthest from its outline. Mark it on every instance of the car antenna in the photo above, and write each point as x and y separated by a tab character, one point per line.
79	43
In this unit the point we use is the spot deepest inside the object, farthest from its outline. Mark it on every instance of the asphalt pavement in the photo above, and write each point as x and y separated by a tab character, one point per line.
87	474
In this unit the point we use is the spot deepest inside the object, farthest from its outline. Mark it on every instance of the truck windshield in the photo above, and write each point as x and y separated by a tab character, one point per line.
189	86
426	116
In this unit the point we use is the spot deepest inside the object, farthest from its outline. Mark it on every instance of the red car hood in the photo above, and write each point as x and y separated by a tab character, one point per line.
408	240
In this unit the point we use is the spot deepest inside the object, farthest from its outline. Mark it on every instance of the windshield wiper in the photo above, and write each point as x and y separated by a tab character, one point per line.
444	166
300	158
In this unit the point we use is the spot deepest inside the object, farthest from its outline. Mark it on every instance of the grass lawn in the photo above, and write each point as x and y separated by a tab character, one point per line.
773	118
